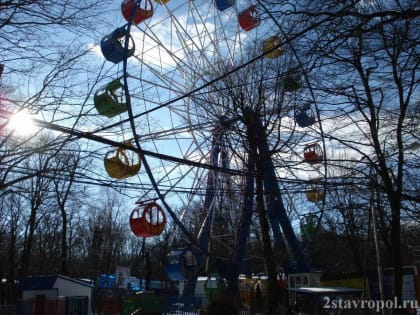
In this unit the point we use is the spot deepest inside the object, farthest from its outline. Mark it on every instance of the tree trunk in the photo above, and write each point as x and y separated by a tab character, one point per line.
12	250
64	241
396	249
27	248
273	292
148	271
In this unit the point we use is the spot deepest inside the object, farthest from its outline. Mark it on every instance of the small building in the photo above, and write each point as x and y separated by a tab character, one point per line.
318	300
56	295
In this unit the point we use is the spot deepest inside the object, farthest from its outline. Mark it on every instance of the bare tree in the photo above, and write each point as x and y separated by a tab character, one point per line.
108	233
66	164
364	71
11	211
36	191
42	42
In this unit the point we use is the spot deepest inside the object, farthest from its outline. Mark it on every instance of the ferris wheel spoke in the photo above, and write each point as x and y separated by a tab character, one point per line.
167	82
196	72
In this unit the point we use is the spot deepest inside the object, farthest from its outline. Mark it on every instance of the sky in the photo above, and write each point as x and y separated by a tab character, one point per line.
182	47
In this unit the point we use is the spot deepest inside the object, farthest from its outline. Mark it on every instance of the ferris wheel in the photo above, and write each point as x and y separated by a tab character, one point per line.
198	82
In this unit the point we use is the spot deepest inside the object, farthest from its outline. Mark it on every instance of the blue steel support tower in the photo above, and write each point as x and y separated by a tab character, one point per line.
277	214
276	210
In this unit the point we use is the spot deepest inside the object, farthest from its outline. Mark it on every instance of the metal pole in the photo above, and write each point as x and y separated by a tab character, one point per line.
376	238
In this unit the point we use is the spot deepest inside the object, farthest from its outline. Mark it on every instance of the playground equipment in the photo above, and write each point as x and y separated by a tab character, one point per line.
249	286
214	287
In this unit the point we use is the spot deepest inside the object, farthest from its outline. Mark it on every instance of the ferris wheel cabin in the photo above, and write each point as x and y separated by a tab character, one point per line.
224	4
106	99
119	165
304	116
136	11
271	47
249	18
147	219
112	45
313	153
182	264
292	82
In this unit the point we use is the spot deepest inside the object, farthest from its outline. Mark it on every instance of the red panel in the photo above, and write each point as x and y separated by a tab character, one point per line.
249	19
143	12
151	222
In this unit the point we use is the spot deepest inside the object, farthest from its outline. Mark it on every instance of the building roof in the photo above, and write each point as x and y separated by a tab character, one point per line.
325	290
46	282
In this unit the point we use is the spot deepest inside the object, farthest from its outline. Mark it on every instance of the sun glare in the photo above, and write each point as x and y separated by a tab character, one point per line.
21	124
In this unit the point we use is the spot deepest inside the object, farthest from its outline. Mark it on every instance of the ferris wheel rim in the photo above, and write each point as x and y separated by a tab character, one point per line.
189	120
